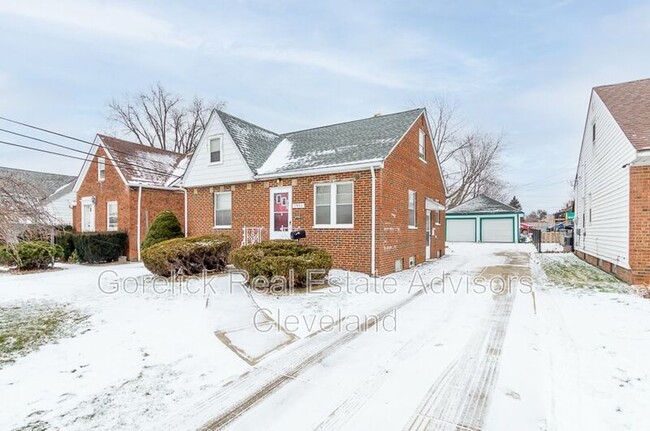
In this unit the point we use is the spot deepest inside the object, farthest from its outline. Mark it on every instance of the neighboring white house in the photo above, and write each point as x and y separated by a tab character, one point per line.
483	219
615	145
53	190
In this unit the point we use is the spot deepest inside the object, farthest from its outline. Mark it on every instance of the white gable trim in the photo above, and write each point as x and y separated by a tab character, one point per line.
214	116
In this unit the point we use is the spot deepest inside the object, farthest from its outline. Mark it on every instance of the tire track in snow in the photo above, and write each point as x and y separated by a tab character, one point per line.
458	400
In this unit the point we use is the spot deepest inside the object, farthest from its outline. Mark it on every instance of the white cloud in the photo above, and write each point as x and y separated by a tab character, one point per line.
107	18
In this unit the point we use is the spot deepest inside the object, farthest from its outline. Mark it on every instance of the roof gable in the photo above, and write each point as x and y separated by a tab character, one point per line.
143	165
629	104
483	204
43	183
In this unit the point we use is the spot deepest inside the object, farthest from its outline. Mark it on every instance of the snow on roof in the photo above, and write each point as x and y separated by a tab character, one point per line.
41	184
368	139
482	204
144	165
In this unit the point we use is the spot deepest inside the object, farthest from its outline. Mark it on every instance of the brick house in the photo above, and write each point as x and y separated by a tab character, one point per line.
612	183
123	186
370	191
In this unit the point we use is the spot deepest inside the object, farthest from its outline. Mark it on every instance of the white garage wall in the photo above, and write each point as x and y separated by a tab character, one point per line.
478	217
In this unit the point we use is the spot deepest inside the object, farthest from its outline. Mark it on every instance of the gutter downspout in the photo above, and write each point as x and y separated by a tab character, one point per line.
373	269
185	211
139	217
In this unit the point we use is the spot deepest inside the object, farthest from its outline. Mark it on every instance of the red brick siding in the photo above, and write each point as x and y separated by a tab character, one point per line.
640	224
403	171
113	188
350	248
623	274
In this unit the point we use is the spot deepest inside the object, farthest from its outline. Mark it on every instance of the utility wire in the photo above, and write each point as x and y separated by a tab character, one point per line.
13	144
63	135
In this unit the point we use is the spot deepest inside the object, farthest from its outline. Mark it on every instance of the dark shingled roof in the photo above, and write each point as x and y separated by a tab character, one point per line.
144	165
338	144
482	204
629	104
41	183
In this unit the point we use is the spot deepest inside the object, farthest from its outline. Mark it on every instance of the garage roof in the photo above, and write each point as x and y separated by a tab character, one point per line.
483	204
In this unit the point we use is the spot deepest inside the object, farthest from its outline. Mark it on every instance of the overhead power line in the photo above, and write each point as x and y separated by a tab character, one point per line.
85	159
63	135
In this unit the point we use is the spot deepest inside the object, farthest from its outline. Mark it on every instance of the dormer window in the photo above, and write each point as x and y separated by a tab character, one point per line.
216	149
101	168
422	146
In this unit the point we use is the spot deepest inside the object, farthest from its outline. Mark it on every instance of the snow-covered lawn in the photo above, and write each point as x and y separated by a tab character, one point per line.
220	354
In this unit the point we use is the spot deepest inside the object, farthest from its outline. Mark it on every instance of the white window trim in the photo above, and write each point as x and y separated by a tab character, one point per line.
415	209
108	215
422	137
214	211
210	139
333	187
101	168
436	217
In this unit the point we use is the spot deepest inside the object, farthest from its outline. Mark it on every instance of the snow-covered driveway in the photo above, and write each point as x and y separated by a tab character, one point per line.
424	354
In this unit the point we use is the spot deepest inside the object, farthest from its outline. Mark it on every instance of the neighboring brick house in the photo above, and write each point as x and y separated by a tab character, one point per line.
612	184
123	186
370	191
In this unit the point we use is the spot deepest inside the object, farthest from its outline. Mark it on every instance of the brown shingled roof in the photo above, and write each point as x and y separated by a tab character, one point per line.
141	164
629	104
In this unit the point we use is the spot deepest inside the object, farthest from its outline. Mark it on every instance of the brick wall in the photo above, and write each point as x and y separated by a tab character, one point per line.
403	171
623	274
113	188
350	247
640	224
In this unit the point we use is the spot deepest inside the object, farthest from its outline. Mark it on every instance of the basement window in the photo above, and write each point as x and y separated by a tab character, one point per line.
101	169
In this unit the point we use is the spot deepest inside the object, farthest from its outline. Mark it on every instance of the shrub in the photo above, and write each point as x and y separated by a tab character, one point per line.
165	226
93	247
184	256
30	255
276	258
66	241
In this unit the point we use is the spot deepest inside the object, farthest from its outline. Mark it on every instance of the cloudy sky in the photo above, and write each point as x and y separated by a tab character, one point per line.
522	69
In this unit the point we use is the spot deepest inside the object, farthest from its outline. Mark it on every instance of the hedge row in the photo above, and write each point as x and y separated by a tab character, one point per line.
185	256
93	247
28	255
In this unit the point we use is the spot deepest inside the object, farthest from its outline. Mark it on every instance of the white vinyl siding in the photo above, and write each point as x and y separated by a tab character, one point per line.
233	169
111	216
223	210
412	209
61	208
602	190
333	205
101	168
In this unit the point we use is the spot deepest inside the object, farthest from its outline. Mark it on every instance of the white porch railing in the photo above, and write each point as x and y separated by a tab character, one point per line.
251	235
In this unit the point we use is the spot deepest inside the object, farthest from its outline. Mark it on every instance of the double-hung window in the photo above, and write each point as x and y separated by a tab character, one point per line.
333	204
412	221
101	168
422	146
216	149
111	216
223	210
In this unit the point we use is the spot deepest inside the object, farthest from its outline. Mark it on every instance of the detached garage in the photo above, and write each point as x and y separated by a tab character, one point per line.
483	219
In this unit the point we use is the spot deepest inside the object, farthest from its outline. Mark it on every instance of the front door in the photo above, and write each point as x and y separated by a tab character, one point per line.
427	232
280	206
87	216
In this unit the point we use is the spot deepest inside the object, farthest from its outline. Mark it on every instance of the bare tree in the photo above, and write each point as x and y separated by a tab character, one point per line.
469	160
159	118
23	214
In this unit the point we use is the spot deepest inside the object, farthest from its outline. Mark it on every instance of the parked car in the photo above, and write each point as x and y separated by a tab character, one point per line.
559	227
525	229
